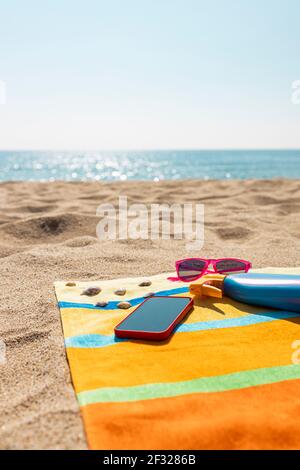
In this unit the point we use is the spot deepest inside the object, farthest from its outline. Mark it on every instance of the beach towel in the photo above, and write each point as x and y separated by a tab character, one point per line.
228	378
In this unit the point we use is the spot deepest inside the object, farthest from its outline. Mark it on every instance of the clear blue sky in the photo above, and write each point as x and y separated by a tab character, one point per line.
99	74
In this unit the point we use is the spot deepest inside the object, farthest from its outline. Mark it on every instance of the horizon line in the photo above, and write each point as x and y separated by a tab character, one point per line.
180	149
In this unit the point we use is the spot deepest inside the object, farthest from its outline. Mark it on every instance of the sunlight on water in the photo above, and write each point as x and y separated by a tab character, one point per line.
148	165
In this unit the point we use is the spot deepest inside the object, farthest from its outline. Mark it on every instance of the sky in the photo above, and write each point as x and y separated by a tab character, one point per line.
149	74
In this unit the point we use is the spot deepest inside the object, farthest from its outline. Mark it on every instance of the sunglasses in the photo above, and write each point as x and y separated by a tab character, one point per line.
190	269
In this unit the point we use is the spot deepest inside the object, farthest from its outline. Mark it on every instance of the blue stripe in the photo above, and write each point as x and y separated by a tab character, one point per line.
100	341
113	304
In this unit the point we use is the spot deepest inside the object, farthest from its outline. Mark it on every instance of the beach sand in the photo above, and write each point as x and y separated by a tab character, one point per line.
48	233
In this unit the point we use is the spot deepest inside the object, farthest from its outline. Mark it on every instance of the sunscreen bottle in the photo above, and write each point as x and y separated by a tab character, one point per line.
280	291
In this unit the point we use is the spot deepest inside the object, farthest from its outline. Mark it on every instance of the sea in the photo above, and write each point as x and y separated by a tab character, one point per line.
154	165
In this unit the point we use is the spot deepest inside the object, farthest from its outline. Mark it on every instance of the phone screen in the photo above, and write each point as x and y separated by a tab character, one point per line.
156	314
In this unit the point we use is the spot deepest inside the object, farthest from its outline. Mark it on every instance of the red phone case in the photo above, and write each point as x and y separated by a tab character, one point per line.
150	335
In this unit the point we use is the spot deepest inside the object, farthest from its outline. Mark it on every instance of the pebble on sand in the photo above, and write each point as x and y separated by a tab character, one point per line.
124	305
91	291
149	294
145	283
120	291
71	284
103	303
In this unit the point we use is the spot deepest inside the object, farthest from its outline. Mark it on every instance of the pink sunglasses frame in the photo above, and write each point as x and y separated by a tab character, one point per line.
248	265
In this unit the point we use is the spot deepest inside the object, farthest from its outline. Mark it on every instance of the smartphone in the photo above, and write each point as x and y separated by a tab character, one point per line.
155	318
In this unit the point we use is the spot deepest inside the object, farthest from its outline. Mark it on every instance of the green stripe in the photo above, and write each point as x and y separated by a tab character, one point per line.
219	383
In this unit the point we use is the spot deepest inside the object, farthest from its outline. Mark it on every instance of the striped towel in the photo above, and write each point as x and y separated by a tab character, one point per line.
227	379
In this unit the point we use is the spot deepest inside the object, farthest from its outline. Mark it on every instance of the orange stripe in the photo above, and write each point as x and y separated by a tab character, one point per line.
184	356
264	417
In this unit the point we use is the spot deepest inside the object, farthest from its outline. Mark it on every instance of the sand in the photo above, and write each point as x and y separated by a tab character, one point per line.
48	233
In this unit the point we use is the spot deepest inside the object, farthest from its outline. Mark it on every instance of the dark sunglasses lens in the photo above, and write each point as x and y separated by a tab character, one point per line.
231	266
190	270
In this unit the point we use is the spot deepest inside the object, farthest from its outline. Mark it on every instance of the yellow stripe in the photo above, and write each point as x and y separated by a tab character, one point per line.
85	321
186	356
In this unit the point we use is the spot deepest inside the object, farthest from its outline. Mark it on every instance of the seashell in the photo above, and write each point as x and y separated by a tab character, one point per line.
145	283
124	305
120	291
103	303
91	291
70	284
149	294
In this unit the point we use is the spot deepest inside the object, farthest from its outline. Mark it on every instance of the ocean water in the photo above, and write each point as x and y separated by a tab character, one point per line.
148	165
